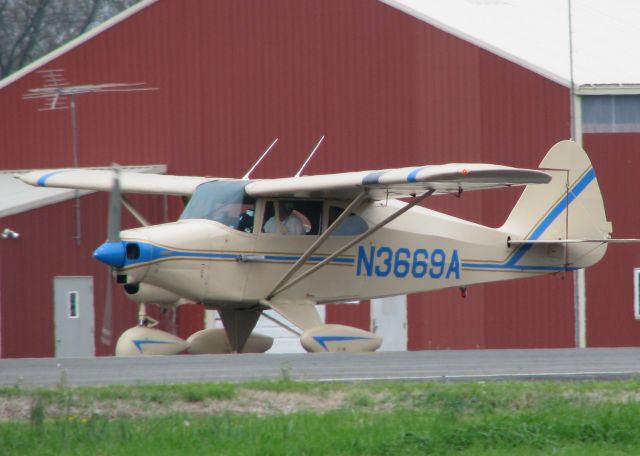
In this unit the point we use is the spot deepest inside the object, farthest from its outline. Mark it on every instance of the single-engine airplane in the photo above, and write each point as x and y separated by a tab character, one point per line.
358	241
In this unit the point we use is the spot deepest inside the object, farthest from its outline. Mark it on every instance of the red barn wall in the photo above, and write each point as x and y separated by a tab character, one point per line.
610	313
46	248
358	315
385	88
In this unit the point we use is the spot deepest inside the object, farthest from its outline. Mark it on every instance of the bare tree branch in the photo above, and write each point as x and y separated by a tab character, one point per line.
30	34
30	29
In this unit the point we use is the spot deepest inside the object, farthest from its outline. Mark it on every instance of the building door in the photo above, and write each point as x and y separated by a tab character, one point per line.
73	317
389	321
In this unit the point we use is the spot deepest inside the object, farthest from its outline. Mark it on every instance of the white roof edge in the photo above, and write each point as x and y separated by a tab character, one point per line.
13	77
481	44
608	89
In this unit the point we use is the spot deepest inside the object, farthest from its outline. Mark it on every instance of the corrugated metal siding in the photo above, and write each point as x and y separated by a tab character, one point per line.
443	319
386	89
46	249
610	314
505	115
356	315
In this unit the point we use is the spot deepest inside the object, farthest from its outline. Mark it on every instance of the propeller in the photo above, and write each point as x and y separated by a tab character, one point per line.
115	211
106	335
111	253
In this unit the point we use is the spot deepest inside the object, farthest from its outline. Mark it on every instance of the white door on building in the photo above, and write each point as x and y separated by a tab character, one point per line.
389	321
73	317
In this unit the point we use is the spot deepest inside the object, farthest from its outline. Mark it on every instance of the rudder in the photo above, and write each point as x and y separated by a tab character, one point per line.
568	207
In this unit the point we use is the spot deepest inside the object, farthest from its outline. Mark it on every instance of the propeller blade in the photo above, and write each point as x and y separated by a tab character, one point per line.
114	222
106	334
115	211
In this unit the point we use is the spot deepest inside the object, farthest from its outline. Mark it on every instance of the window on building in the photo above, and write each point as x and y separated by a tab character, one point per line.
72	301
610	113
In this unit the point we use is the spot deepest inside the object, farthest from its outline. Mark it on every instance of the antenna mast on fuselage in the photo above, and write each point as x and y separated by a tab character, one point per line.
264	154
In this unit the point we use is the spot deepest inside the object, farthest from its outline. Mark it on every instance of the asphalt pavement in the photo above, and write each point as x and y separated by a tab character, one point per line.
444	365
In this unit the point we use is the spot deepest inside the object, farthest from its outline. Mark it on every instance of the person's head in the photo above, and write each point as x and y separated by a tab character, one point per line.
285	208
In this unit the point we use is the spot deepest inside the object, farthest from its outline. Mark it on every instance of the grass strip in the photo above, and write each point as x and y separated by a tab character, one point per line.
377	418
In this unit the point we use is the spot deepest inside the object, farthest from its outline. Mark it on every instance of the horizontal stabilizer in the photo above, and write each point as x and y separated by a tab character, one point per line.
572	241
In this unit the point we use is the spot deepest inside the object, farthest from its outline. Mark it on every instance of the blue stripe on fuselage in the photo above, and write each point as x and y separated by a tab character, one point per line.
151	252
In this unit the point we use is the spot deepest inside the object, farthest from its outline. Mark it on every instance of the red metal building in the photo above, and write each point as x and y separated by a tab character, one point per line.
386	88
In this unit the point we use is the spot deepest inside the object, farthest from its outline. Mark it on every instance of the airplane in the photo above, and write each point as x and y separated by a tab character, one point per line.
363	236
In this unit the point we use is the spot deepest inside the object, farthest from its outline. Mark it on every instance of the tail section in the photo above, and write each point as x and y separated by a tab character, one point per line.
568	207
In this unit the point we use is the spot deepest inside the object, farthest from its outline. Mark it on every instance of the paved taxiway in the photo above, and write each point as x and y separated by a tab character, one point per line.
604	363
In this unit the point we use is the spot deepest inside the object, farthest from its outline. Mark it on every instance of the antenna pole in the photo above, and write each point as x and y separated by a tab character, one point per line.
264	154
309	157
56	91
572	90
76	161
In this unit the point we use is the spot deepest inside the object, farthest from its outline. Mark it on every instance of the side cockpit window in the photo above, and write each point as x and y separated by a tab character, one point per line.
292	217
224	202
351	226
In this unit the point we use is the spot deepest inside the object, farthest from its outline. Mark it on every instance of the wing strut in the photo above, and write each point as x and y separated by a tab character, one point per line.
314	247
347	246
135	212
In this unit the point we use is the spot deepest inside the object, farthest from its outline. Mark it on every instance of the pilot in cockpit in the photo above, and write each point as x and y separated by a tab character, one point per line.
289	223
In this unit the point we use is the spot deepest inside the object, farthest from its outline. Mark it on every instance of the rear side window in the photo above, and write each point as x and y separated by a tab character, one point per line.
351	226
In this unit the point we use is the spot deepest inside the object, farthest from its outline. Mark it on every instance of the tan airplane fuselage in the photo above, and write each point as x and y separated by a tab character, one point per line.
204	261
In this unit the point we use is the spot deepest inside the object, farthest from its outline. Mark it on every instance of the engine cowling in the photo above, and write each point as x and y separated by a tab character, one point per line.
339	338
144	292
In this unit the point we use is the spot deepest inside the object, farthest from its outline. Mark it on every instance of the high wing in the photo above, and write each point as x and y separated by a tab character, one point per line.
102	180
382	184
400	182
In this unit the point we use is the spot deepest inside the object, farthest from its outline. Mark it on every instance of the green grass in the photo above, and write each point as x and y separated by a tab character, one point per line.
497	418
190	392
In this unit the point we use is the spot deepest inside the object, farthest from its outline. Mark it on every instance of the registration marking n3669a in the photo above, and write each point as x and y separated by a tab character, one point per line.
384	261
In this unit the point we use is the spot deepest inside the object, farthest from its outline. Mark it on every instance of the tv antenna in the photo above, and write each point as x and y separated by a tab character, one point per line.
58	94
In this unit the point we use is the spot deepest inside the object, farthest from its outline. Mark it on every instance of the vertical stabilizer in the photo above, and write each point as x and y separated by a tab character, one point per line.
568	207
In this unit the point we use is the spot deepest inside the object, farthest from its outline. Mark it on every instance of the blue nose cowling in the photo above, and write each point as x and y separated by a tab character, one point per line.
113	254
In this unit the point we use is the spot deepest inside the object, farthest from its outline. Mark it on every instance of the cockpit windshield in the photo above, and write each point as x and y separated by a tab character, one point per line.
222	201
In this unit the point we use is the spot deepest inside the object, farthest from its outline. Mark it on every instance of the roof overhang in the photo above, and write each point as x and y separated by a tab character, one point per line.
608	89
